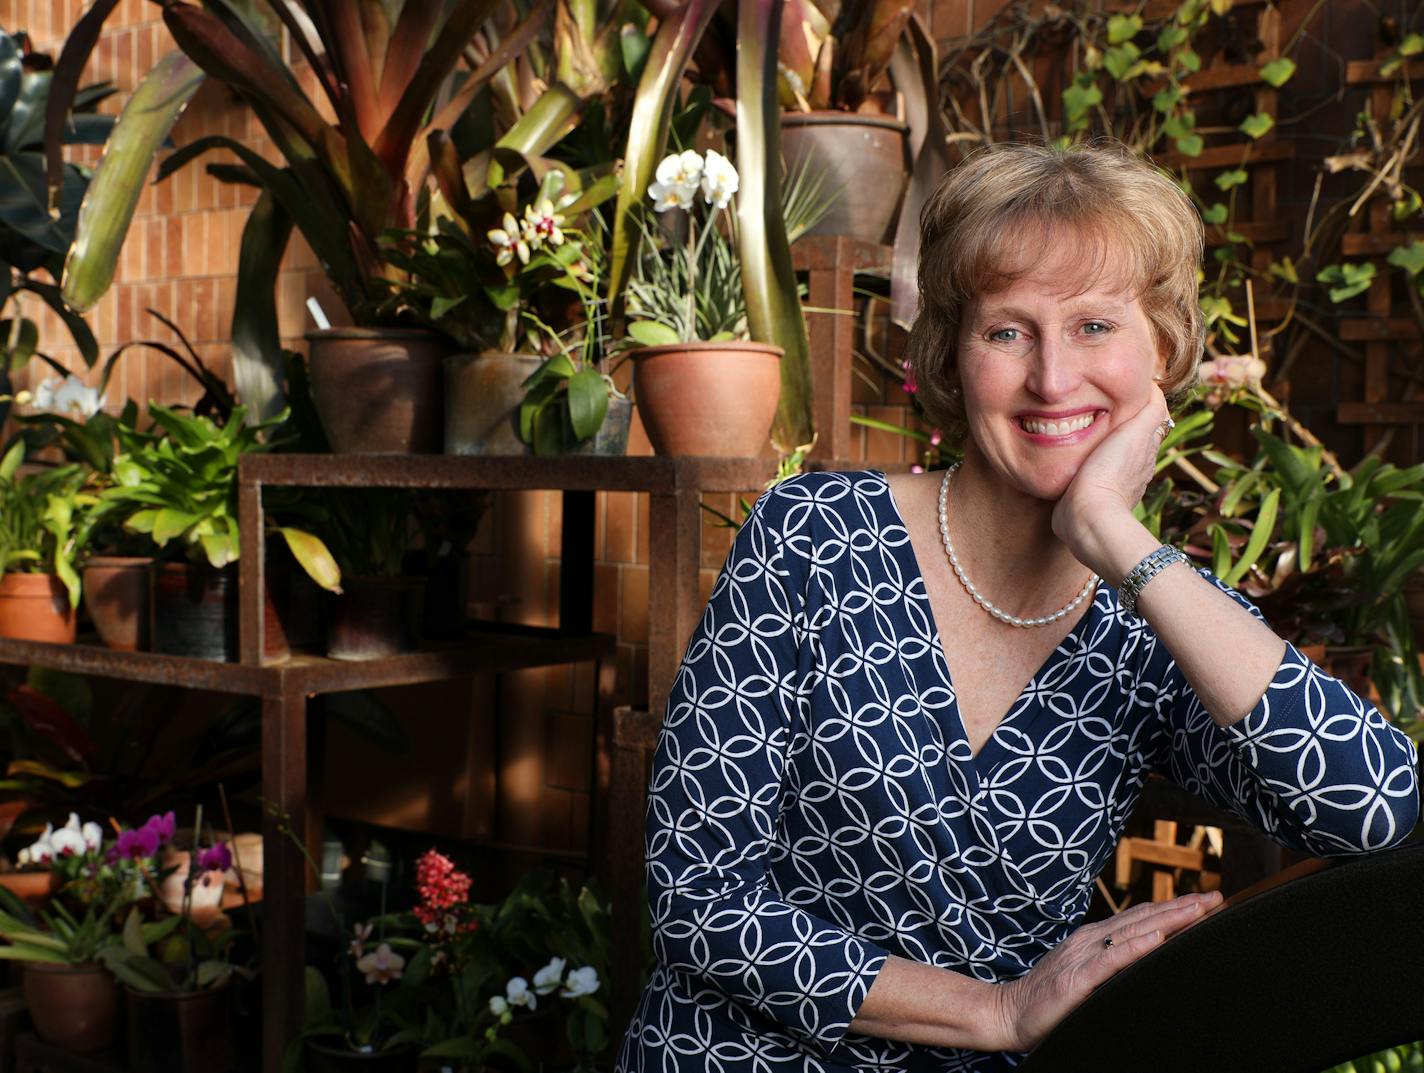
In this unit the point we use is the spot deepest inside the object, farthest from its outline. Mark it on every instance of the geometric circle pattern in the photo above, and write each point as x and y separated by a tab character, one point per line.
815	805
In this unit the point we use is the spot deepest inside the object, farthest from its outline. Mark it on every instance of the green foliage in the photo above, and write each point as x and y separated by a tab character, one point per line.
178	482
46	518
1406	1058
1346	280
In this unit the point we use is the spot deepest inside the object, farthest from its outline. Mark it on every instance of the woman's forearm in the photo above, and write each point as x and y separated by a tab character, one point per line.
921	1004
1227	654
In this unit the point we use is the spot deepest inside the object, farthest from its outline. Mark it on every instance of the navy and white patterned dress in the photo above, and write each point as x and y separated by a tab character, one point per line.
815	805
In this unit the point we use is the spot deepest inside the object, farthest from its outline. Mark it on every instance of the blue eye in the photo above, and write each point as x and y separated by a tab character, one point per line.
1002	335
1102	327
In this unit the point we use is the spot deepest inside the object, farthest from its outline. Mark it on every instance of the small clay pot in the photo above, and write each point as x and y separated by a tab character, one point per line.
35	607
710	399
32	888
73	1006
206	899
116	597
611	439
868	155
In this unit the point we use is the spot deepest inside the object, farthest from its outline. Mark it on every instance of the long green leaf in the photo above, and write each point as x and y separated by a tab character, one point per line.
588	402
768	279
257	357
314	557
26	952
648	129
1260	536
113	194
1305	539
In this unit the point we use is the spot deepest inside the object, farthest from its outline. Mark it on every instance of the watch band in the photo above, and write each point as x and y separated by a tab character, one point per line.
1137	578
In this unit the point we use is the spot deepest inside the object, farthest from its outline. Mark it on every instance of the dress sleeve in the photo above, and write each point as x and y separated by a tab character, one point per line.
715	798
1312	765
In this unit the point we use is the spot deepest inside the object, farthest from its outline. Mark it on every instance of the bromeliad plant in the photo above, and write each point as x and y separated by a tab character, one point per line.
178	482
387	72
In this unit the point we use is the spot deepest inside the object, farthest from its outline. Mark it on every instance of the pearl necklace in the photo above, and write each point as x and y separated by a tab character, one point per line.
1002	616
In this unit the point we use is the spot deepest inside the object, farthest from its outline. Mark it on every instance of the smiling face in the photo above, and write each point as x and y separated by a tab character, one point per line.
1052	362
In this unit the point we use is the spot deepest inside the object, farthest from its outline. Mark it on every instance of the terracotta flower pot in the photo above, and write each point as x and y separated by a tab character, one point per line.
195	613
35	607
482	397
116	597
374	617
32	888
207	896
868	154
707	398
377	390
73	1006
181	1032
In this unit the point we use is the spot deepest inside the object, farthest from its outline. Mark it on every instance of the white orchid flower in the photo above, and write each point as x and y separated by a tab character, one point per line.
93	836
69	397
680	169
542	225
498	1005
68	842
547	979
719	180
508	242
42	851
517	992
581	982
671	197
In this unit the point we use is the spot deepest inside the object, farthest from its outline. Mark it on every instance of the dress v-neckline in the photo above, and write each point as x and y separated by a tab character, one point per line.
983	760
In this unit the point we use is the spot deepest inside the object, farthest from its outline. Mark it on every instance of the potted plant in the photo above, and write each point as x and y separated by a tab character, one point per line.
379	608
508	271
176	969
71	997
386	75
178	483
44	522
702	386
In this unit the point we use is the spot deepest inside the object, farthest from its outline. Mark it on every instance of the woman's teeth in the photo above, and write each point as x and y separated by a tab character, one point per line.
1057	428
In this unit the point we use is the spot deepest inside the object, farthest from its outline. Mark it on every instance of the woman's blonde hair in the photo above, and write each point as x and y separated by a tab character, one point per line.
1115	201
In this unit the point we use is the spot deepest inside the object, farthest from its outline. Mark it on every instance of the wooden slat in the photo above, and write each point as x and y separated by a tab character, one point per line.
1377	329
1364	244
1271	231
1362	72
1149	851
1380	413
1225	156
1243	74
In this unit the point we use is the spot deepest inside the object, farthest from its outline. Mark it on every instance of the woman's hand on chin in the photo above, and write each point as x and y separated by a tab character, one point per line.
1110	482
1029	1008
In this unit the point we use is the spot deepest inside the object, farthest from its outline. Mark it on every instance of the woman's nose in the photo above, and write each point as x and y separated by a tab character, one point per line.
1053	373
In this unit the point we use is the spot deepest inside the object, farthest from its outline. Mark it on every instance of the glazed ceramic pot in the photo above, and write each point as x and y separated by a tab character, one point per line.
707	398
377	390
195	613
116	598
35	607
867	154
482	397
73	1006
611	439
374	617
181	1032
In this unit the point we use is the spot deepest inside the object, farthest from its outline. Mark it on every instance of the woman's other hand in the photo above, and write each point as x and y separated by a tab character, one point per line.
1110	483
1031	1006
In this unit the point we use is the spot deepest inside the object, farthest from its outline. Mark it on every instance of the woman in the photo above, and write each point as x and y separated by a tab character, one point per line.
918	711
